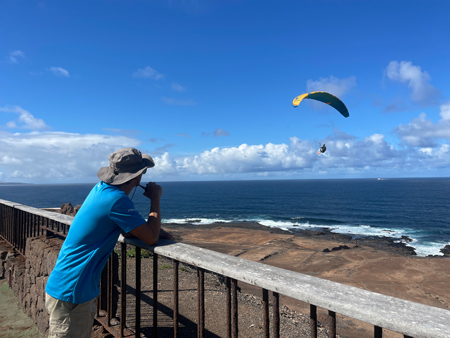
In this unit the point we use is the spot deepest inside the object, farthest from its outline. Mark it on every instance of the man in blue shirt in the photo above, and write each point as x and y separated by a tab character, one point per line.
73	285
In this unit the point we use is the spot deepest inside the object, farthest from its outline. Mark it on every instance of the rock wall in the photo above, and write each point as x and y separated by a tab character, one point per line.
29	275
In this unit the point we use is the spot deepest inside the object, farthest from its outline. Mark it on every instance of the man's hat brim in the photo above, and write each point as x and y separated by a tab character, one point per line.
107	175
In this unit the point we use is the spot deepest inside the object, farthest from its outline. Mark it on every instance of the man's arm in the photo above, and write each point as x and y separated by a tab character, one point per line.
150	231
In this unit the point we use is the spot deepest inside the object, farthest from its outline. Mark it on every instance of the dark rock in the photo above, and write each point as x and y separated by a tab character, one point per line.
446	250
340	247
67	209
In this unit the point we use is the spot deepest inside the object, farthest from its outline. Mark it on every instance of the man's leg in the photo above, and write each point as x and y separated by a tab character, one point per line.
70	320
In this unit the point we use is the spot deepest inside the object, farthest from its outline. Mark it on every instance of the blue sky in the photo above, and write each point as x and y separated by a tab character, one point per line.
206	88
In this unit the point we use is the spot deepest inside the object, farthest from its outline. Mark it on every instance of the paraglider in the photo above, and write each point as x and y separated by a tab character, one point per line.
325	97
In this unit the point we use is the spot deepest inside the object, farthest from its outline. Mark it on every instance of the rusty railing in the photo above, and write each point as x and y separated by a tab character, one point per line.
18	222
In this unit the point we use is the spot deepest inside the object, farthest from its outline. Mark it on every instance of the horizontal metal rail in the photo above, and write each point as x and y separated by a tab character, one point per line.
18	222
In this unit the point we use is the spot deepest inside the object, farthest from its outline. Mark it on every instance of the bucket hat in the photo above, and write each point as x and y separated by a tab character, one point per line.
124	165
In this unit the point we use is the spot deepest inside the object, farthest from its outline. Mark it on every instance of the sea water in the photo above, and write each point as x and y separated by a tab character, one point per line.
414	207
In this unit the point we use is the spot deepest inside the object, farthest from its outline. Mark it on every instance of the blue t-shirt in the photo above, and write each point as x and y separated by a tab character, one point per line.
93	234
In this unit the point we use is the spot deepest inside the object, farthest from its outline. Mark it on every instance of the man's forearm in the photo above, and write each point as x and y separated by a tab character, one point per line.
154	217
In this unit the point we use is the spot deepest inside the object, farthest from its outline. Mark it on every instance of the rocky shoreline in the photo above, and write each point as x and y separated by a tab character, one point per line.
394	245
390	244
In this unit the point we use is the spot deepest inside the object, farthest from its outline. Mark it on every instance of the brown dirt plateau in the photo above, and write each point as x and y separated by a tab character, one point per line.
373	264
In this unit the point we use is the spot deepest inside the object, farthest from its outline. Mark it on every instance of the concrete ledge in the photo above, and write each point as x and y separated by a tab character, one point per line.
48	214
409	318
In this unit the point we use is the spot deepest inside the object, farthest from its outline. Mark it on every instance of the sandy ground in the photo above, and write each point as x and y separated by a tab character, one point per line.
369	264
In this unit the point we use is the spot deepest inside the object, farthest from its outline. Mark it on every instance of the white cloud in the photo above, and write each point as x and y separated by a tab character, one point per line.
445	111
26	120
220	132
177	102
148	72
422	132
56	156
418	81
333	85
58	71
15	55
177	87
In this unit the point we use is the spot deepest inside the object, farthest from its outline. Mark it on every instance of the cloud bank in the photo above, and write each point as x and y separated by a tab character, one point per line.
46	156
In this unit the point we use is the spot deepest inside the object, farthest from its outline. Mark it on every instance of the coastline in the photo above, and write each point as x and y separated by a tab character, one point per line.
388	244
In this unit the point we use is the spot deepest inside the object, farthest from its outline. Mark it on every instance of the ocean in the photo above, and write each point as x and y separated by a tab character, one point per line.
414	207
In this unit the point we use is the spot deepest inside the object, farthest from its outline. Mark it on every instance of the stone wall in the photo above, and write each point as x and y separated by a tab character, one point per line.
29	276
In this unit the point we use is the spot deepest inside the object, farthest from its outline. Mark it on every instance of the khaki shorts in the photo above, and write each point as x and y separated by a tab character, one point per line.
70	320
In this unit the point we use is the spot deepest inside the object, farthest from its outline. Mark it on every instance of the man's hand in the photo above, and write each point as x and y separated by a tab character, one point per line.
153	191
165	235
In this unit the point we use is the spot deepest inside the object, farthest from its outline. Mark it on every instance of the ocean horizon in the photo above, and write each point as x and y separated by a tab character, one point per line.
398	208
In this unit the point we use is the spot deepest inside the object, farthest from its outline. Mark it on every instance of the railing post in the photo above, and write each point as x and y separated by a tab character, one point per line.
332	324
109	289
201	302
175	298
313	320
155	295
234	308
265	300
228	300
276	315
138	293
123	288
378	332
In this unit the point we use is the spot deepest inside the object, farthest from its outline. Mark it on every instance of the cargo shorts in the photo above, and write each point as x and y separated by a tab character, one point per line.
70	320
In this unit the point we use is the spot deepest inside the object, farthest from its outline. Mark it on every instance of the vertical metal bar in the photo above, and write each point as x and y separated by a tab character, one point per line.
16	231
30	228
19	223
276	315
123	288
313	320
22	237
265	297
378	332
99	298
175	298
109	297
332	324
138	293
234	309
228	281
155	295
38	219
22	231
201	302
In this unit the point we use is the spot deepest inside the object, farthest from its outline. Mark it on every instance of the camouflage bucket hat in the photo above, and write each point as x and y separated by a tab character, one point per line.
124	165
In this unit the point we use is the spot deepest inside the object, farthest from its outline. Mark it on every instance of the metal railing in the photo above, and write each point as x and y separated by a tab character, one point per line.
18	222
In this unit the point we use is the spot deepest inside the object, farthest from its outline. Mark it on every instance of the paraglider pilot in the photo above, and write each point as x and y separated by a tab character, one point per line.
322	149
